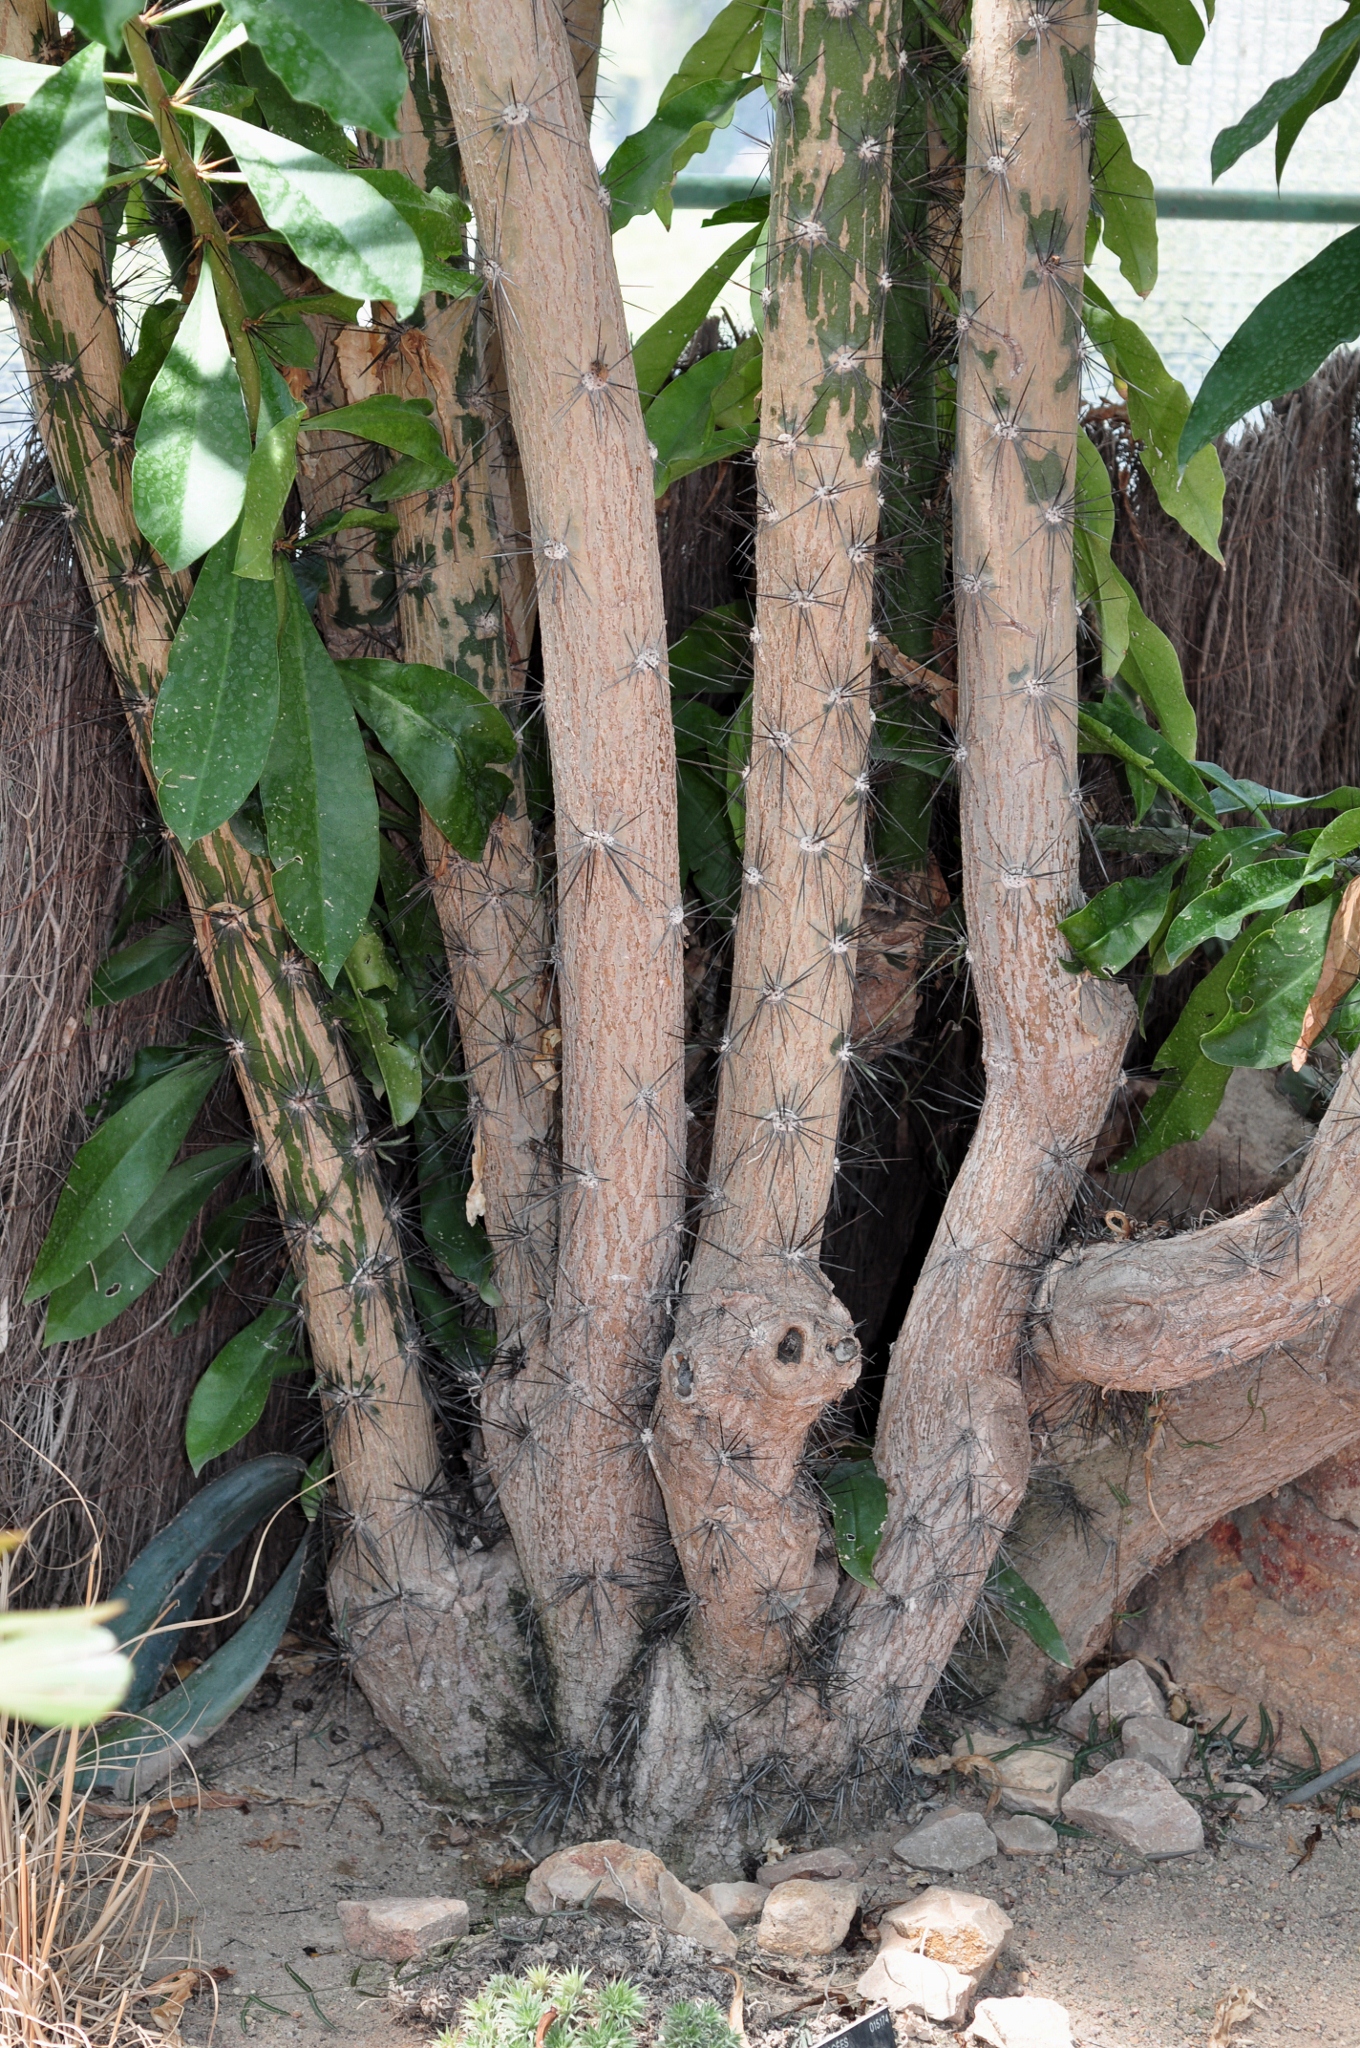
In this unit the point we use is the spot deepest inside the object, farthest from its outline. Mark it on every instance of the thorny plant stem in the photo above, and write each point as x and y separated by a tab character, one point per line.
761	1342
198	205
565	1435
291	1065
952	1441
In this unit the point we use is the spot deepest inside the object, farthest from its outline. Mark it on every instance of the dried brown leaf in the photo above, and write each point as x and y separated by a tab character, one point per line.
1232	2009
1340	972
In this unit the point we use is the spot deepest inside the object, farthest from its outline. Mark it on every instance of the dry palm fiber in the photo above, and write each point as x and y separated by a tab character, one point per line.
108	1412
1268	642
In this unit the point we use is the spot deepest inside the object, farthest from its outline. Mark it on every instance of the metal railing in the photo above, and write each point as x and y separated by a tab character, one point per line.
1175	203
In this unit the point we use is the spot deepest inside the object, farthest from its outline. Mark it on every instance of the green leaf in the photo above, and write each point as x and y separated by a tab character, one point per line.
1281	342
217	708
442	733
1107	932
149	1063
437	220
273	468
1269	990
639	175
391	1067
230	1396
1176	20
157	331
1115	728
276	107
193	441
60	1668
19	81
351	236
405	478
118	1170
728	48
1279	99
1329	87
1152	668
119	1275
679	421
708	850
54	157
218	1244
1020	1603
1127	201
1335	840
1221	912
400	423
161	1588
320	810
103	21
1187	1102
656	352
462	1247
146	963
336	54
859	1507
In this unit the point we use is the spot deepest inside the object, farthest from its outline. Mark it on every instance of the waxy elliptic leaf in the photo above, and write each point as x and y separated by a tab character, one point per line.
144	964
1188	1099
61	1668
54	157
1020	1603
273	469
336	54
442	733
1221	912
118	1170
19	81
122	1272
217	708
1269	990
103	21
1107	932
400	423
1176	20
352	237
1128	203
859	1507
1281	342
639	175
320	810
1282	97
230	1396
193	440
656	352
728	48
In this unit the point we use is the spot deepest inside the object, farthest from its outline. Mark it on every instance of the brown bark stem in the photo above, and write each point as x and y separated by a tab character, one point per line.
953	1442
566	1439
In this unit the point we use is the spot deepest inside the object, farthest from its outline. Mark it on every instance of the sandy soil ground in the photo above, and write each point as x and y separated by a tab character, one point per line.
1139	1955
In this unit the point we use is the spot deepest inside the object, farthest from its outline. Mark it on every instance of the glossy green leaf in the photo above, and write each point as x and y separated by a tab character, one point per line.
193	440
272	472
1175	20
275	106
149	1063
443	734
1221	912
1128	204
218	1244
217	708
409	476
680	425
1110	725
438	221
708	851
1188	1099
656	352
859	1507
1099	583
19	80
1336	839
118	1170
165	1581
1106	933
351	236
400	423
639	175
1269	990
1285	94
102	20
728	48
391	1067
1152	668
146	963
320	810
1020	1603
133	1753
1328	87
54	157
463	1248
1281	342
157	331
230	1395
120	1274
336	54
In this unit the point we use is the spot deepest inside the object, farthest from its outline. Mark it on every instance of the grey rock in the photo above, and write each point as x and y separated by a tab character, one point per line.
1024	1834
1133	1803
819	1863
1152	1739
389	1930
1126	1690
947	1841
1021	2023
1032	1776
806	1918
737	1904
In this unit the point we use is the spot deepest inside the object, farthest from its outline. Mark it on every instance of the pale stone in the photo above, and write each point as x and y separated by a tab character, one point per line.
737	1904
1132	1803
1032	1778
1021	2023
614	1873
934	1951
1152	1739
806	1918
1024	1834
1246	1798
949	1841
399	1930
819	1863
1126	1690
